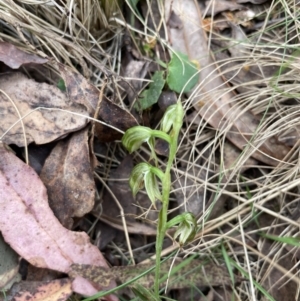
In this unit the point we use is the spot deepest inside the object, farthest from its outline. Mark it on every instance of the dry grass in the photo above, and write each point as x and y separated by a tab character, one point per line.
83	35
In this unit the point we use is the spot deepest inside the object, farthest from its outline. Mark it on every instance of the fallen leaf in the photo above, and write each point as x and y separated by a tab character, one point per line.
81	91
41	126
113	115
190	194
29	226
119	186
9	265
135	71
14	57
55	290
68	177
118	204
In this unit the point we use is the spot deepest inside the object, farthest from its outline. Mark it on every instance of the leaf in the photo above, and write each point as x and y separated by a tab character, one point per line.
115	116
293	241
81	91
65	172
14	57
150	96
9	265
55	290
41	126
182	73
61	85
30	227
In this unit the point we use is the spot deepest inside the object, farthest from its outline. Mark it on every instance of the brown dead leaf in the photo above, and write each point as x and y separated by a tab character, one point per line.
81	91
41	126
118	184
189	195
13	57
55	290
113	115
214	103
117	201
30	227
68	177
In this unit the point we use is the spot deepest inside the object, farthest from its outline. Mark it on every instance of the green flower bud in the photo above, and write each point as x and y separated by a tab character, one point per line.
187	227
145	175
136	136
173	115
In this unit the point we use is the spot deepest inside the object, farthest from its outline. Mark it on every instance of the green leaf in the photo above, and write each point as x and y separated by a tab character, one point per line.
150	96
182	73
289	240
61	85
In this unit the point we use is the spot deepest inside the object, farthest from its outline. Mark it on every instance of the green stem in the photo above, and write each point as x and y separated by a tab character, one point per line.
166	186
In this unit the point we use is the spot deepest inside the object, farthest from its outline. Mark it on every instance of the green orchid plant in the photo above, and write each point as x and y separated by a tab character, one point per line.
145	175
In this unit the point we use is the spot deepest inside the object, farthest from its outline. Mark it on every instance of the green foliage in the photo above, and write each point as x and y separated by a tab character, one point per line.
144	174
147	175
181	77
182	73
61	85
150	96
186	229
293	241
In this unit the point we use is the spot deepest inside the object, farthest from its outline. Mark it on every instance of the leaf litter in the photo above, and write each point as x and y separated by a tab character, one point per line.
225	117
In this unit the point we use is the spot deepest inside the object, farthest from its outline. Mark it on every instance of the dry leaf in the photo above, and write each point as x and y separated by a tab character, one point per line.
9	265
68	177
30	227
118	184
41	126
113	115
81	91
55	290
13	57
